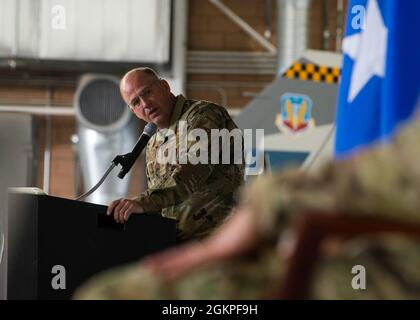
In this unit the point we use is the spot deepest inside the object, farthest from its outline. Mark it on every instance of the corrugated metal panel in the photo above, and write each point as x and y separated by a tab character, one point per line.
7	27
97	30
226	62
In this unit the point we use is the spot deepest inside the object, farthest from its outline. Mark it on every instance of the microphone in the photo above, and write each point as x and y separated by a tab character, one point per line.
128	159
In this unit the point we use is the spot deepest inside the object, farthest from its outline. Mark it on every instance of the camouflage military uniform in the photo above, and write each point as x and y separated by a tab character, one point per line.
198	196
383	180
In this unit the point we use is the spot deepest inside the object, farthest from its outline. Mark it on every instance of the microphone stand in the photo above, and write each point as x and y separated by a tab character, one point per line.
119	159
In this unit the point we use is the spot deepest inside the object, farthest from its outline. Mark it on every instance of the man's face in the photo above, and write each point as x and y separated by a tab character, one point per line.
149	98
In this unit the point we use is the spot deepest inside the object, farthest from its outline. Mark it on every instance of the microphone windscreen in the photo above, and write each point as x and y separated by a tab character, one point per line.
150	129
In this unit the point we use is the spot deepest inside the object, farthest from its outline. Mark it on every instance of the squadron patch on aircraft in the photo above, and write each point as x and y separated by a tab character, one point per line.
295	115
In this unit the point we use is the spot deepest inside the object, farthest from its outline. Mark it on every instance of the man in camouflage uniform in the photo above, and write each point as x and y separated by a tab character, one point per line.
384	180
199	196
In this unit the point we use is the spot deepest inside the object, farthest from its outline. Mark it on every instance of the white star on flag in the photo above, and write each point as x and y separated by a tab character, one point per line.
367	49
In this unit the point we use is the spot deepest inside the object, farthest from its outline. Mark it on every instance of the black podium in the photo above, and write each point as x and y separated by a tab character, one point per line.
47	234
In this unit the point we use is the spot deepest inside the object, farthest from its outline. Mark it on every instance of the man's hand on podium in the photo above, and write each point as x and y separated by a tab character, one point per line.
122	209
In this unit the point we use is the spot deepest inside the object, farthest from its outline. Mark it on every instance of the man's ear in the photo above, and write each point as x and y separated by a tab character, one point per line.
165	85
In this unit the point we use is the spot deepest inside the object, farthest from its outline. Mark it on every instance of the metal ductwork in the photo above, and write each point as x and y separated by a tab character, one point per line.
292	31
106	127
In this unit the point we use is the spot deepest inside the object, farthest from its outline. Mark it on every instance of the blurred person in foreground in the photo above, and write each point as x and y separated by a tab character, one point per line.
245	258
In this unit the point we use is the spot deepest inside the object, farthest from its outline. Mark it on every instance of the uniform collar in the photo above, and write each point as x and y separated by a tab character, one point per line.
177	112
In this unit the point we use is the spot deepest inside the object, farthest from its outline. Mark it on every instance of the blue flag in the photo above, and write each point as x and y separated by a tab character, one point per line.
381	70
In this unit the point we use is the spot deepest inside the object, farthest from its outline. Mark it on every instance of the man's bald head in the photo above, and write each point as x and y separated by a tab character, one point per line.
149	97
134	74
